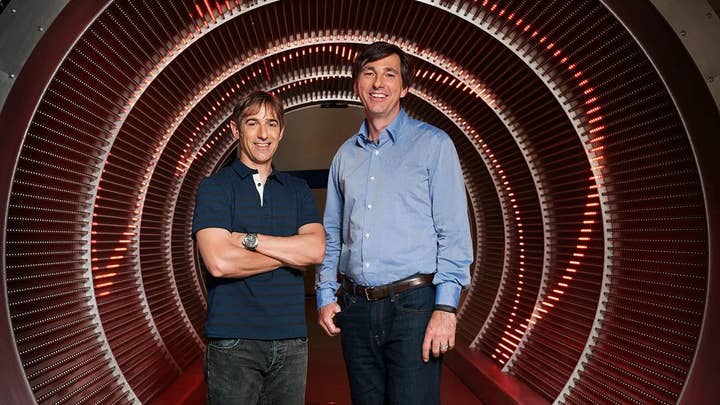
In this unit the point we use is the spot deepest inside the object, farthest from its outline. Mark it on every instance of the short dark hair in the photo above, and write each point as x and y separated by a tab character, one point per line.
251	103
379	50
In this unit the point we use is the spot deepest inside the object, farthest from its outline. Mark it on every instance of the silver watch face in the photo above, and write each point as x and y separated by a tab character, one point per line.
250	241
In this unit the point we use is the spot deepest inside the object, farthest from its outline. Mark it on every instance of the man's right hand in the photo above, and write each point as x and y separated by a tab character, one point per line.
326	318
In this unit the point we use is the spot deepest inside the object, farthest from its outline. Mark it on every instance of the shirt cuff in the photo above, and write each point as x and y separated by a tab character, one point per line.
447	294
325	296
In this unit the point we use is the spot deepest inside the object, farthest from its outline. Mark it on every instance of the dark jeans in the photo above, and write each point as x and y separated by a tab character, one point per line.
248	372
382	345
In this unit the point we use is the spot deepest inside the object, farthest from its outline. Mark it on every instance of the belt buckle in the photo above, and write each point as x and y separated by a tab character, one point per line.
367	295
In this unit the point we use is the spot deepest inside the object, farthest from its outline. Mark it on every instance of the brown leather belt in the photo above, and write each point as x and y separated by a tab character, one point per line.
384	291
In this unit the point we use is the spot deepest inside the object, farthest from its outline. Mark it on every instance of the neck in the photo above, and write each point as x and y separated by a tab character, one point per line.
263	170
375	125
374	132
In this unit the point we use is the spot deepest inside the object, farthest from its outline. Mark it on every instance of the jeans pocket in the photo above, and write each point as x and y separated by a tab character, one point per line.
223	343
346	301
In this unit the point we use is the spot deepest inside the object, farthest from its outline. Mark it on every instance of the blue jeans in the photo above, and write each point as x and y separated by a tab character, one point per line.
248	372
382	345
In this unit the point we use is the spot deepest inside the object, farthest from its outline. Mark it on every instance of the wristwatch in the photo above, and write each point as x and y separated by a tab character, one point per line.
250	241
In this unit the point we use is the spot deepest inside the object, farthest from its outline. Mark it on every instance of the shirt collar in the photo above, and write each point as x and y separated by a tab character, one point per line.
244	171
393	130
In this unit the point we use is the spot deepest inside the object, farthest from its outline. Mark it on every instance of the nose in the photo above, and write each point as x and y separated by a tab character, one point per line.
262	131
378	82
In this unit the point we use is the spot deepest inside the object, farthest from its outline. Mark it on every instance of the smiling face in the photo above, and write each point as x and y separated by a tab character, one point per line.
380	87
259	132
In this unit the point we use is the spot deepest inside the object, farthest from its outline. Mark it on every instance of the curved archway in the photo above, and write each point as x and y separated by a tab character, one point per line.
593	242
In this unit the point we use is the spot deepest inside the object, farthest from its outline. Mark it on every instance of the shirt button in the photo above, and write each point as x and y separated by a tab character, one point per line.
369	206
372	178
377	152
367	235
367	264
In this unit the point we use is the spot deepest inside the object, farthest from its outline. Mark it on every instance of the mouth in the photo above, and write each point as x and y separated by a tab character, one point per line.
378	96
262	145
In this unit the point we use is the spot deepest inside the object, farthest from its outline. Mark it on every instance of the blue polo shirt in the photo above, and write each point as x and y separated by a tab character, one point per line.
269	305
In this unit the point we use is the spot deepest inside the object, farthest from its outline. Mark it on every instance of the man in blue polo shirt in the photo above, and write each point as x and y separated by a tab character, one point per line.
257	230
398	235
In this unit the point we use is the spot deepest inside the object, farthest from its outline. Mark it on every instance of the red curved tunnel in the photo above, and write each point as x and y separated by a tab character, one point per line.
586	135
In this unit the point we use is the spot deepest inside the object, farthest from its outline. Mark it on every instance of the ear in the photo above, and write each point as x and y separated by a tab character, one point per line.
355	88
282	132
234	129
404	92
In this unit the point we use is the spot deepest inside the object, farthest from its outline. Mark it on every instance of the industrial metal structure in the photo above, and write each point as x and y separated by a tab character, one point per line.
587	130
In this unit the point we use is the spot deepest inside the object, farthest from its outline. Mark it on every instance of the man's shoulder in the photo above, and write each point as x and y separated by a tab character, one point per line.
347	147
292	181
222	177
426	131
351	142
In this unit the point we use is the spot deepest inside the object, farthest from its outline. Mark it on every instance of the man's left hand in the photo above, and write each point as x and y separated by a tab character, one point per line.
439	334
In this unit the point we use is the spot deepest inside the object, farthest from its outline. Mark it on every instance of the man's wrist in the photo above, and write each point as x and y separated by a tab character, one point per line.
250	241
445	308
325	296
448	294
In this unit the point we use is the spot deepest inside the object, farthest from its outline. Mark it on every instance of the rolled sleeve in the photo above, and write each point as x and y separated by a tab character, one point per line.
326	284
450	217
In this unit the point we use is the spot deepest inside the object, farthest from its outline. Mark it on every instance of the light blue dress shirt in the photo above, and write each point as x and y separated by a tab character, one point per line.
394	209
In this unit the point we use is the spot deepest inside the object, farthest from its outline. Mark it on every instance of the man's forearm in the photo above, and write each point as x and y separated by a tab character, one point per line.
224	257
298	251
295	251
250	263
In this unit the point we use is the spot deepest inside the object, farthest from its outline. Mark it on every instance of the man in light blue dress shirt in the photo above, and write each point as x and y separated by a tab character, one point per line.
398	242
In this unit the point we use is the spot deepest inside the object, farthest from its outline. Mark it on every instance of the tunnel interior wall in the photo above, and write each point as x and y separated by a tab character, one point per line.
588	193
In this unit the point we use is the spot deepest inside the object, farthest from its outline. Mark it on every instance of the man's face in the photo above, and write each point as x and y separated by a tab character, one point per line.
380	88
259	135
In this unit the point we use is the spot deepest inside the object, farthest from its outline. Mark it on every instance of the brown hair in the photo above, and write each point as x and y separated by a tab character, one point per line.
251	104
379	50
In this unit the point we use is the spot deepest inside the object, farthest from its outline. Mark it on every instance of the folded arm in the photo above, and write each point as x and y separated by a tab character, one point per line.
298	251
225	256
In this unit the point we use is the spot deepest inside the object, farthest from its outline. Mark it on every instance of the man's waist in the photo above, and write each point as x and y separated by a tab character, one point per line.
373	293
